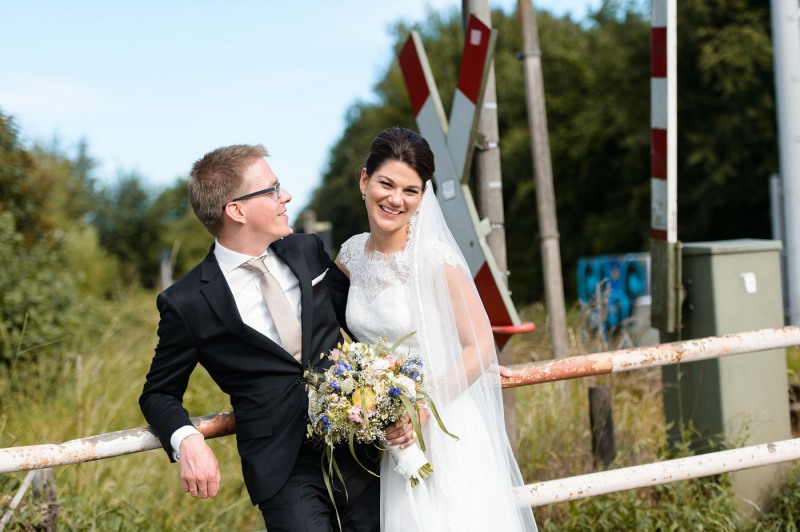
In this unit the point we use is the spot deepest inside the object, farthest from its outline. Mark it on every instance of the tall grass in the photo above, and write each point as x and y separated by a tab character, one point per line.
555	442
90	385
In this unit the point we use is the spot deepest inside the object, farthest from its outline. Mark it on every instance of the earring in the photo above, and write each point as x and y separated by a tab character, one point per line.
363	197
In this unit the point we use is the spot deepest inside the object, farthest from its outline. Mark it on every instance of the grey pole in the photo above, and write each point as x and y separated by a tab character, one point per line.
543	171
779	233
786	46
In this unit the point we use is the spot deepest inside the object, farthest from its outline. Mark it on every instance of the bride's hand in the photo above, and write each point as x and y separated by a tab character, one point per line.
402	432
504	371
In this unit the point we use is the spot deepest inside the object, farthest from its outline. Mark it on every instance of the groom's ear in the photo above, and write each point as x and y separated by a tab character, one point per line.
234	212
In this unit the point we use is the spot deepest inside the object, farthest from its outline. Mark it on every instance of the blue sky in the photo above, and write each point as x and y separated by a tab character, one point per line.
152	86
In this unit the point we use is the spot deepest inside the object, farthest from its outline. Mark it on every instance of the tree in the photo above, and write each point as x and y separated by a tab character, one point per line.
727	144
597	86
20	196
180	232
37	294
126	230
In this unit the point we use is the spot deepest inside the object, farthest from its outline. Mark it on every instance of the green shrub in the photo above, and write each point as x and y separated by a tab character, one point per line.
96	270
784	514
37	293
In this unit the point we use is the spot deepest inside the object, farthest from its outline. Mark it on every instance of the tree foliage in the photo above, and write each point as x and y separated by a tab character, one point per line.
21	197
597	87
37	293
727	143
139	224
180	232
124	228
65	240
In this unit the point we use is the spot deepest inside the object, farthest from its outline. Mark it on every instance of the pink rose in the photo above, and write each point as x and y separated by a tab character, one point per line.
354	414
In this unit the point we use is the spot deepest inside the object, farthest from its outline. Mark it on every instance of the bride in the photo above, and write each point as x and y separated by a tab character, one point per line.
407	274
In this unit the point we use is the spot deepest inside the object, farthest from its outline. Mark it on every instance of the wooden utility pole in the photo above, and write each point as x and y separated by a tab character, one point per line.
487	175
543	171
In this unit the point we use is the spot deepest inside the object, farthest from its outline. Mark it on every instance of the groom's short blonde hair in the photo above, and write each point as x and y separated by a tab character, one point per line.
217	178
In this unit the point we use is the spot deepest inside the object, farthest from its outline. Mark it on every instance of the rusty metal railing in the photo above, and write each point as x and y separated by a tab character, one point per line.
103	446
659	355
223	424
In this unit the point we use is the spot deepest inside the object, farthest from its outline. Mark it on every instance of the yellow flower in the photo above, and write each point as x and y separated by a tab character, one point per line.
369	398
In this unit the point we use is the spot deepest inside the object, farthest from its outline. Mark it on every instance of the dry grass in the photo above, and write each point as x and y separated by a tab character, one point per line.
553	418
91	386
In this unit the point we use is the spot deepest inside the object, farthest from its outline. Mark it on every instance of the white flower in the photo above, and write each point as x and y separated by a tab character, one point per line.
348	385
408	385
381	387
313	401
379	364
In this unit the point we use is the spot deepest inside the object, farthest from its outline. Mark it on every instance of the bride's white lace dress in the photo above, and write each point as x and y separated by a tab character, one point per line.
471	488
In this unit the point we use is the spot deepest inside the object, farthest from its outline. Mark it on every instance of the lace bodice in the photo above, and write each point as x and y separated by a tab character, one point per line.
382	300
379	303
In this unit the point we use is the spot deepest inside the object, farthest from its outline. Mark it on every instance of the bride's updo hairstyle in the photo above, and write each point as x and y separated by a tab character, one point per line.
404	145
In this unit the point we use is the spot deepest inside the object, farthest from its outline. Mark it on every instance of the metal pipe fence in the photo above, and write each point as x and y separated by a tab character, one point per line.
102	446
641	476
537	494
645	357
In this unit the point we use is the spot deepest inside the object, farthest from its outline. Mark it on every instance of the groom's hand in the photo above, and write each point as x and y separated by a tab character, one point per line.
199	468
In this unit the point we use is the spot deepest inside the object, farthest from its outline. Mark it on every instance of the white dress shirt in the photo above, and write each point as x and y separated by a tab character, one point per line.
245	286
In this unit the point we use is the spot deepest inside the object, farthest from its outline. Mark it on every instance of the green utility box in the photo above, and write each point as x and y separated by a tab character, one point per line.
731	286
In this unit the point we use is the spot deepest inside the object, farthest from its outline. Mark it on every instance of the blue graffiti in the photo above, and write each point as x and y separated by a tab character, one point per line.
622	279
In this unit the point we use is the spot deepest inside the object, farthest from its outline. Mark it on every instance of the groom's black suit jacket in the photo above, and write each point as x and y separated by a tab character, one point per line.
200	324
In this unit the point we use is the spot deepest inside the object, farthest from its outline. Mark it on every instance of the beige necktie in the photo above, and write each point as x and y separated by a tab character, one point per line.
282	313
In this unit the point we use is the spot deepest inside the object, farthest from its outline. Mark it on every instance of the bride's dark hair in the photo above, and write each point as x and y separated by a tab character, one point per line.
404	145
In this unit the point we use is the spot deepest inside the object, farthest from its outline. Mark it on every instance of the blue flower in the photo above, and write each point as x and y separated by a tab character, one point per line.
326	423
394	391
412	369
335	385
343	366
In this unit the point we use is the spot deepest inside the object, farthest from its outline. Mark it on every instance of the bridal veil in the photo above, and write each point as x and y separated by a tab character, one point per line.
473	480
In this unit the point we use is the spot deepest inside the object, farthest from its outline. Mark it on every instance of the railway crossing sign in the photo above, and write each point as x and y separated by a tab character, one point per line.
452	146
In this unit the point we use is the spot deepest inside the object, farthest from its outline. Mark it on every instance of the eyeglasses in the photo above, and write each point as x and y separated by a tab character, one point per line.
276	189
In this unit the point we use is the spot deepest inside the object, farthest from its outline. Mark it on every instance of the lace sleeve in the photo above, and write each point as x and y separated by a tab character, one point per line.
350	249
440	254
443	254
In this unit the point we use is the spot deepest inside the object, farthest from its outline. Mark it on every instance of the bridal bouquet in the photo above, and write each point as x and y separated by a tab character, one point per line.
367	388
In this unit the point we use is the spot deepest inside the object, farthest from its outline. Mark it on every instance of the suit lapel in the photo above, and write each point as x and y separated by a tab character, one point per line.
292	257
219	297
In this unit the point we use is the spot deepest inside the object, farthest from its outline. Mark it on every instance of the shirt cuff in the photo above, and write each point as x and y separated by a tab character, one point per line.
178	436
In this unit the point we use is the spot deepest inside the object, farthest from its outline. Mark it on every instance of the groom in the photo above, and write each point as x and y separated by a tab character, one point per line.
222	315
